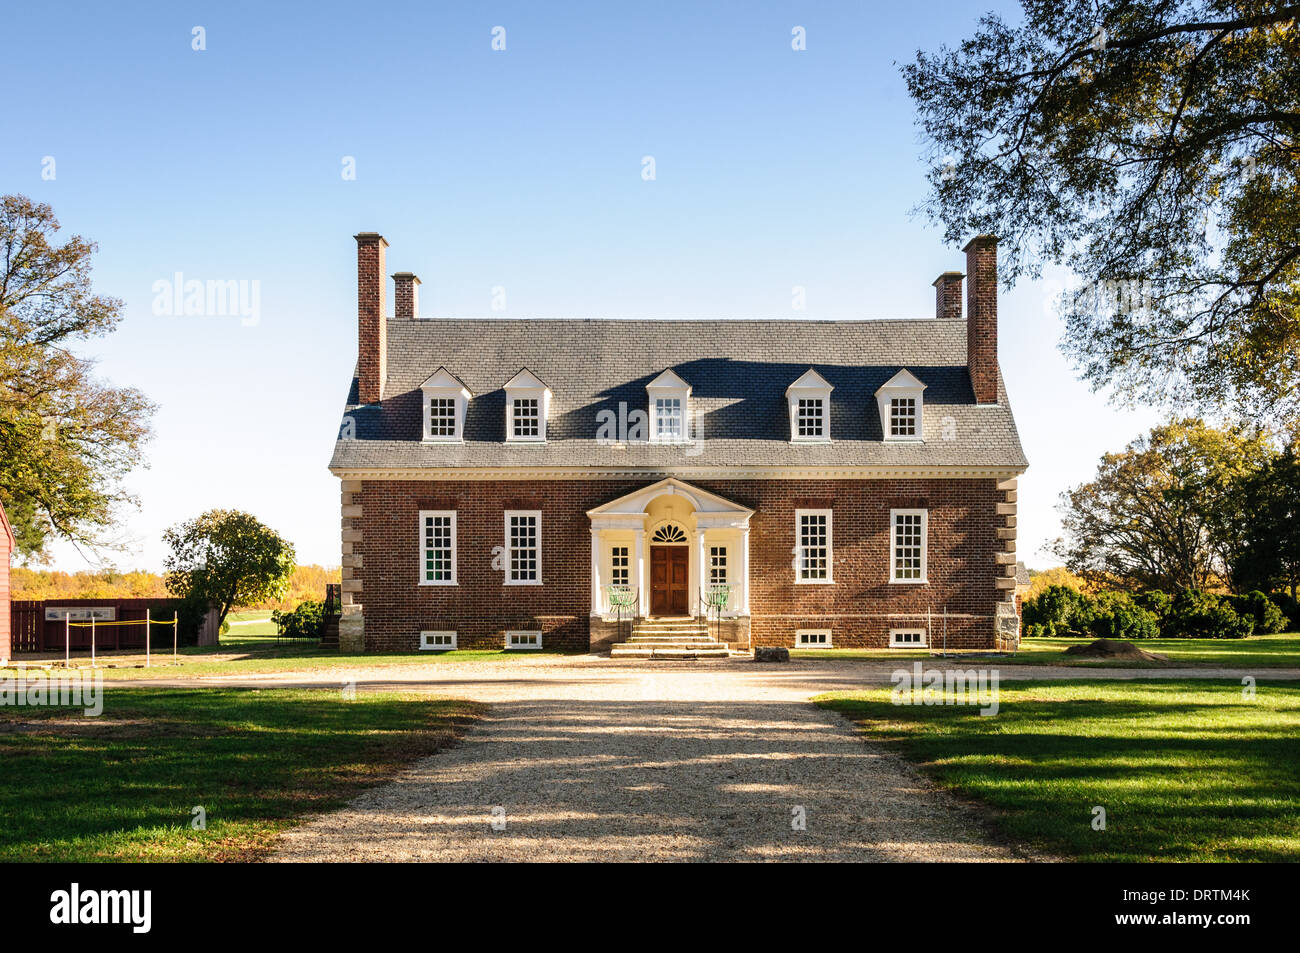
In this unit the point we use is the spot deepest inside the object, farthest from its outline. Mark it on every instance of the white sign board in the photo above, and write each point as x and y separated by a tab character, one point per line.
80	613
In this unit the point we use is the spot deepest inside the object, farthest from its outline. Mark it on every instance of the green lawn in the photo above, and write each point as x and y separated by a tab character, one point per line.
254	656
1186	769
121	786
1258	651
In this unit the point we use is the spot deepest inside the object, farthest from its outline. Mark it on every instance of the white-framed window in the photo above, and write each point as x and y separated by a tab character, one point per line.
717	565
443	641
812	536
437	547
523	563
526	418
810	404
620	566
812	638
907	638
669	398
670	425
528	402
901	404
445	402
902	417
526	640
908	532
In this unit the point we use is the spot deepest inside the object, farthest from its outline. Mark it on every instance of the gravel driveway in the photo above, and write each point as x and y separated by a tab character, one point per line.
591	760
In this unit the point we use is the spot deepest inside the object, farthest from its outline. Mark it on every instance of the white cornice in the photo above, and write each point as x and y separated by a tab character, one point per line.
683	473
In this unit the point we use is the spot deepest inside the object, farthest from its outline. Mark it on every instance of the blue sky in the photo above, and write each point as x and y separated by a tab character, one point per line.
518	169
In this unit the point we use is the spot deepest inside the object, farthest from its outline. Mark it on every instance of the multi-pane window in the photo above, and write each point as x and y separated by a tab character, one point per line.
717	565
620	573
669	422
909	545
906	638
523	547
438	547
442	416
813	545
523	640
812	638
902	417
527	417
810	417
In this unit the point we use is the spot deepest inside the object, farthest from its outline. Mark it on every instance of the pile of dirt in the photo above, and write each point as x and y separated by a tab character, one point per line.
1116	649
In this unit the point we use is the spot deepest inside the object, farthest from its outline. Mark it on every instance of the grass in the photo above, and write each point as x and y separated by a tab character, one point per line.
1258	651
1186	769
254	656
122	786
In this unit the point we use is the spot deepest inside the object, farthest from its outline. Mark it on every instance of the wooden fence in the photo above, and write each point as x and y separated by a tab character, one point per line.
38	626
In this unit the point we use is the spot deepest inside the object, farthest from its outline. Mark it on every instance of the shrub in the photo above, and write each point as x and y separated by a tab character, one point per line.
1115	615
1268	619
1290	608
303	622
1057	610
1156	602
1203	615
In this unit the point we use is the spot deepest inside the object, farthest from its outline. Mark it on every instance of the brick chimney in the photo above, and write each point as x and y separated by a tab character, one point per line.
372	326
947	296
406	295
982	317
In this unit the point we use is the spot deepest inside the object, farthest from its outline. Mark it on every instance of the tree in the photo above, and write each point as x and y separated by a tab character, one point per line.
1269	557
66	439
225	559
1150	146
1167	512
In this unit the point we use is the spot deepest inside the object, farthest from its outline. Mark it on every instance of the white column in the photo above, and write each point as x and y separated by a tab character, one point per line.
701	567
596	601
744	570
643	590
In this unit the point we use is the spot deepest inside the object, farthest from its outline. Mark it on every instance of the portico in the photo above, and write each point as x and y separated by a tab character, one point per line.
666	544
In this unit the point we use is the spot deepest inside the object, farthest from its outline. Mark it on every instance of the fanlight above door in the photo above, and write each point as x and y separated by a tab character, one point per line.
669	533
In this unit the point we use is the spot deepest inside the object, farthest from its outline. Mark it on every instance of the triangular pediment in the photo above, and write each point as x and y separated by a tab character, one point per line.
443	379
703	501
668	380
903	380
810	380
526	380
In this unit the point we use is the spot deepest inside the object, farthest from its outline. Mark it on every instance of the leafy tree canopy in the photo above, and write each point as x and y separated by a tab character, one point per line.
1168	511
1150	146
226	558
66	438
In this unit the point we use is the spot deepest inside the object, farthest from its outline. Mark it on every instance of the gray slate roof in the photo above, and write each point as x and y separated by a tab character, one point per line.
738	371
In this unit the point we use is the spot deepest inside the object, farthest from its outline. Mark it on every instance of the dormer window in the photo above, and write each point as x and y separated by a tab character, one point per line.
528	402
446	400
669	408
900	402
810	409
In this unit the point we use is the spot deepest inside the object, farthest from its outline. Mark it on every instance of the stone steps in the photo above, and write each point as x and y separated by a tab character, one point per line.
681	638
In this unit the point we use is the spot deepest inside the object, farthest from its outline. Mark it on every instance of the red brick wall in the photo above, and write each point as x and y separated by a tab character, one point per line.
860	606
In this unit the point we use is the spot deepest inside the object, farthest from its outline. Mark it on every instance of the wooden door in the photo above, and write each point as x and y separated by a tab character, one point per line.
669	571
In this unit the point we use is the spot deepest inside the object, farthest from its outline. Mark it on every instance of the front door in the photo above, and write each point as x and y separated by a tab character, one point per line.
668	575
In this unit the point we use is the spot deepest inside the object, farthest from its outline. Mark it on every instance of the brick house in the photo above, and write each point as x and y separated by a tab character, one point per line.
6	558
510	482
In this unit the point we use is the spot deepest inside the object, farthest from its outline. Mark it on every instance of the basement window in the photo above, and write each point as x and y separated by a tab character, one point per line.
443	641
524	640
812	638
907	638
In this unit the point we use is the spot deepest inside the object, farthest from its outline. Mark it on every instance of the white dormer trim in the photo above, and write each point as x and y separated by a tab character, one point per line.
904	386
666	388
810	387
527	386
444	385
